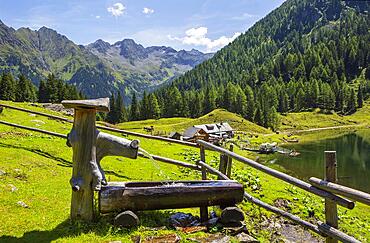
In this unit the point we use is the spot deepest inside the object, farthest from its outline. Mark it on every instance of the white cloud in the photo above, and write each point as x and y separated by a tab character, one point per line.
244	16
148	10
117	9
97	17
197	37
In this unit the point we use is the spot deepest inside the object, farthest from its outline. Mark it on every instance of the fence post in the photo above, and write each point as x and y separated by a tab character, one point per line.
331	213
223	164
230	162
203	209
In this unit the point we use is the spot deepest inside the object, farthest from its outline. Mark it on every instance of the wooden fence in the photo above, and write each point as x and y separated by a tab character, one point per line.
327	188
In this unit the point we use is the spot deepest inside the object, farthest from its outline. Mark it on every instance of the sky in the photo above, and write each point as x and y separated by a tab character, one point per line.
205	25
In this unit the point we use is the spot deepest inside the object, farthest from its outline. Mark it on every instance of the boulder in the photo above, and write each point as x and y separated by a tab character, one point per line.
231	215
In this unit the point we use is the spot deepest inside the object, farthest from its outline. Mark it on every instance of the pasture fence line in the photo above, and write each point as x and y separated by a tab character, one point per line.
327	188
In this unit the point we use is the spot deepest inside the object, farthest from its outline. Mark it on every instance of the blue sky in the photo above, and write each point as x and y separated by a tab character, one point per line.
206	25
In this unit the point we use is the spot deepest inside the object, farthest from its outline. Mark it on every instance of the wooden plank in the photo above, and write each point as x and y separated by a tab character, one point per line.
230	161
331	213
290	179
101	104
351	193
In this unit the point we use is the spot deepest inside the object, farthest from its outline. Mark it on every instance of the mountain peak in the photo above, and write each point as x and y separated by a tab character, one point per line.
100	45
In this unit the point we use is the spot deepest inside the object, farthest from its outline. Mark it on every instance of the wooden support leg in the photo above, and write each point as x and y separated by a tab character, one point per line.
204	209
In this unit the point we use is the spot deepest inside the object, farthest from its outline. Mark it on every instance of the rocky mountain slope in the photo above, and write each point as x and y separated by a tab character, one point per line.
96	69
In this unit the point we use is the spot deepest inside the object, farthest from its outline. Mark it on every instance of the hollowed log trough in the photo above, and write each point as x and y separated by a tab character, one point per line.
139	196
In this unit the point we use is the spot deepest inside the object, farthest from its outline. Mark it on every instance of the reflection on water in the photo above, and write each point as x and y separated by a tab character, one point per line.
353	156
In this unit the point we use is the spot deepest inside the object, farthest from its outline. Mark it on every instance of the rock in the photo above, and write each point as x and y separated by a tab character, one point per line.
2	173
22	204
282	203
115	241
127	219
13	188
245	238
183	220
171	238
231	215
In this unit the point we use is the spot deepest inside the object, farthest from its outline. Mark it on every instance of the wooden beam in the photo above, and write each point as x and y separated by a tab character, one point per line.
33	129
170	140
351	193
331	211
172	161
290	179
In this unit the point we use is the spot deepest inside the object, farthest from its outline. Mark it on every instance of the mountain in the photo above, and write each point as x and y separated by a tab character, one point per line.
97	69
305	54
153	65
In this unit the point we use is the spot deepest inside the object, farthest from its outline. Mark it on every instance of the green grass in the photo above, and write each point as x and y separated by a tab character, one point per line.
39	166
180	124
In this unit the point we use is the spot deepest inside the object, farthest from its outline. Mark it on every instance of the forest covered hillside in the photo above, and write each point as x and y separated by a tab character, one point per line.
305	54
98	69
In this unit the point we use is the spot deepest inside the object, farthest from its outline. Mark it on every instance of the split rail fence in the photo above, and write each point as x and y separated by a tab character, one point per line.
327	188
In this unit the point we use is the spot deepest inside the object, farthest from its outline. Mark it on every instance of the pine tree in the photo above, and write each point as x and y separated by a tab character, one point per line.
120	110
351	102
25	90
360	97
155	112
144	107
112	116
43	92
134	109
8	87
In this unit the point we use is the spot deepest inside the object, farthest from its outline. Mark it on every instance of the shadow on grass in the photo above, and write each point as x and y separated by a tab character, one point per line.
104	227
61	162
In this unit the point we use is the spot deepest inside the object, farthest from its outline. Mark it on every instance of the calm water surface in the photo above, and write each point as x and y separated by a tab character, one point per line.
353	156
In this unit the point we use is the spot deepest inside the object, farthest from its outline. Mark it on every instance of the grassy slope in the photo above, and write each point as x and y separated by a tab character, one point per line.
41	173
179	124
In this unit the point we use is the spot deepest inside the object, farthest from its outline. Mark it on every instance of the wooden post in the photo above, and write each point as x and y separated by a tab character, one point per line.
230	162
331	213
223	164
86	176
203	209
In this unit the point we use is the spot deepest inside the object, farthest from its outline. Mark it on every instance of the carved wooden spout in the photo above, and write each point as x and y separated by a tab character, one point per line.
110	145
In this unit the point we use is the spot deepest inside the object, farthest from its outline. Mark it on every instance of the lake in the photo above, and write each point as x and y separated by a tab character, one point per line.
353	157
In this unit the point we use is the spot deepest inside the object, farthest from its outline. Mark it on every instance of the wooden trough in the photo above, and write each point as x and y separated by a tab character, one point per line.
138	196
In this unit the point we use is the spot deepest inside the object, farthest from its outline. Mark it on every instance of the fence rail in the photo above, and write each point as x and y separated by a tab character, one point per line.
104	127
323	188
